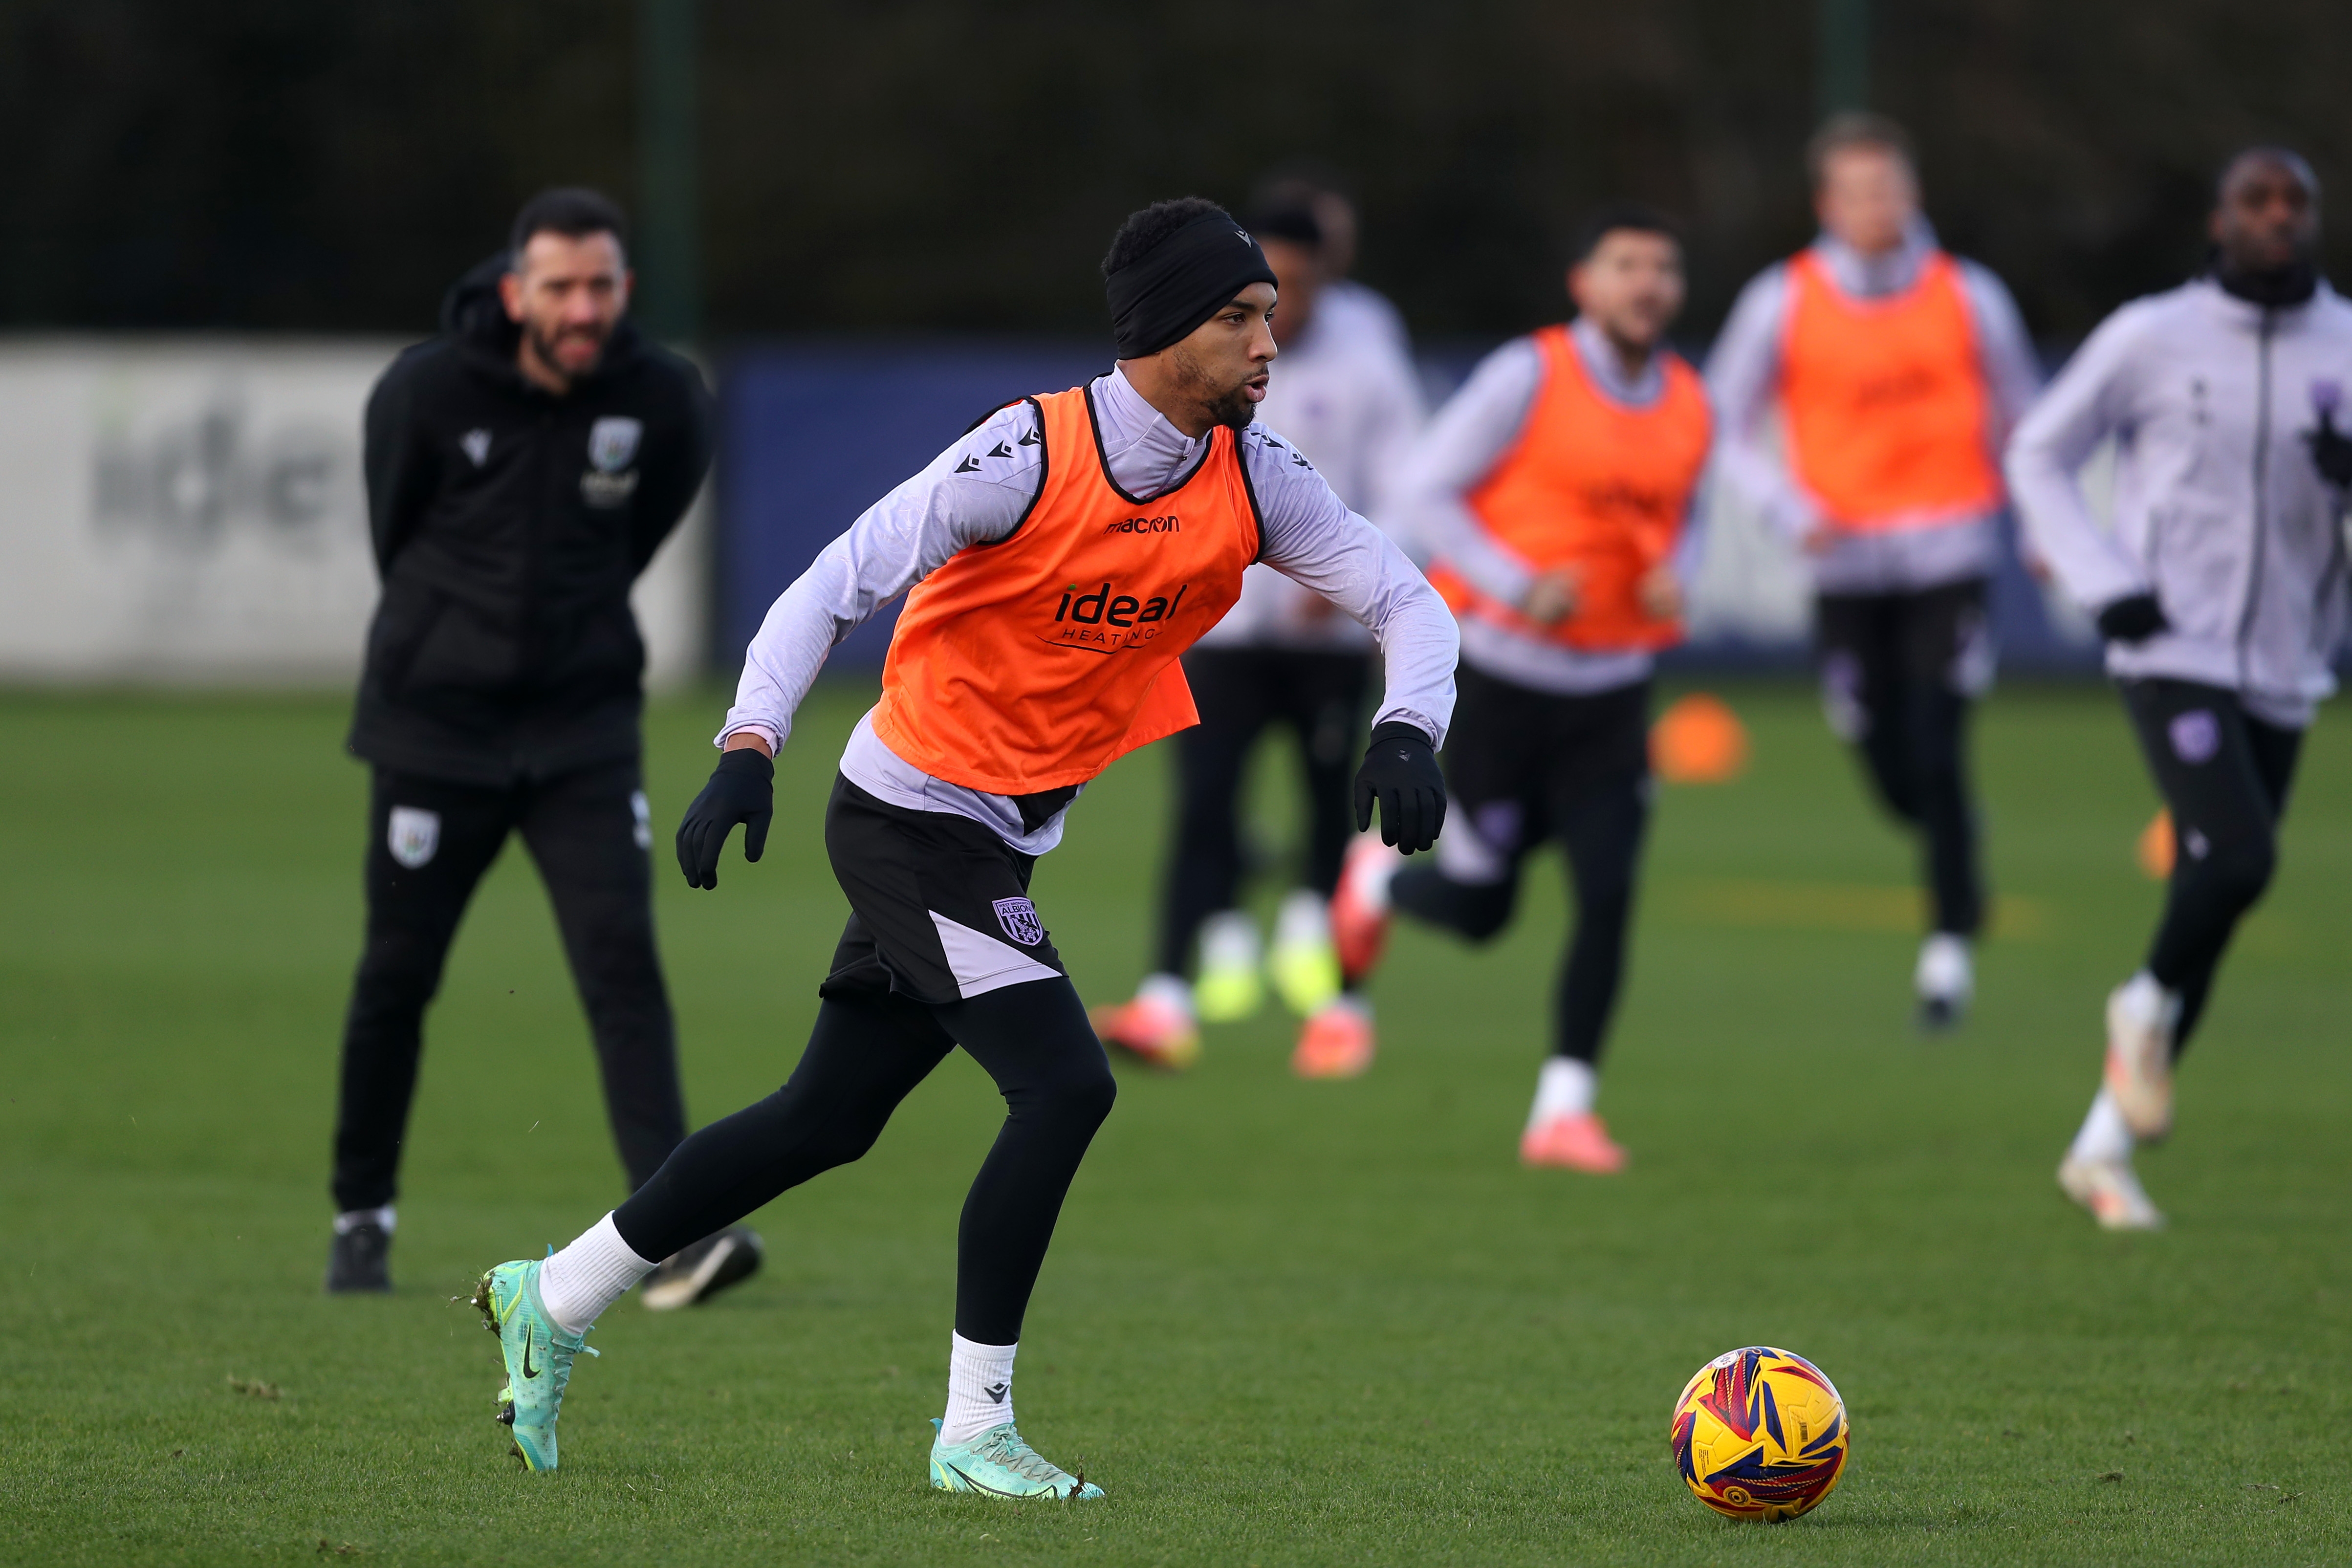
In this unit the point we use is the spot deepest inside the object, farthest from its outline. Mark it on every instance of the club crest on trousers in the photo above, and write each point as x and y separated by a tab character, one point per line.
412	834
1019	919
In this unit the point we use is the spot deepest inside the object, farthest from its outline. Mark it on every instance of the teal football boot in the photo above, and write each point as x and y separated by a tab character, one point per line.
539	1358
997	1463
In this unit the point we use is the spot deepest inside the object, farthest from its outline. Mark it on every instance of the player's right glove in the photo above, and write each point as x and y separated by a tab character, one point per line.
2331	451
2135	617
742	788
1400	773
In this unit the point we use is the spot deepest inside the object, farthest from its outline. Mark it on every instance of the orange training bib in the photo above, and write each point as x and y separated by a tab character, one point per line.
1593	485
1887	414
1034	662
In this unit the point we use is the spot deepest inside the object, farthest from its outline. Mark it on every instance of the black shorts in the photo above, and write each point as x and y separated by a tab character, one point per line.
1518	761
940	905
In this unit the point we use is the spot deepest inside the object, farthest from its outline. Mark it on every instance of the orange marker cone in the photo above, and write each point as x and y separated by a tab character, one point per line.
1698	739
2157	845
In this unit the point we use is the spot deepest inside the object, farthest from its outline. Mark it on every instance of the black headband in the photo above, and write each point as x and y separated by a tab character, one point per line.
1162	295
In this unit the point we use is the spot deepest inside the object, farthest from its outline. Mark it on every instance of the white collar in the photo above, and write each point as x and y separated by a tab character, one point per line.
1147	456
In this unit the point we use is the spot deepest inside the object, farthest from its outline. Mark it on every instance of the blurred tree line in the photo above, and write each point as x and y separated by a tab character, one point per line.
924	165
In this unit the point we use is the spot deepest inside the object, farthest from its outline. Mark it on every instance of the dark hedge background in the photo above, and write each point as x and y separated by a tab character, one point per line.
930	164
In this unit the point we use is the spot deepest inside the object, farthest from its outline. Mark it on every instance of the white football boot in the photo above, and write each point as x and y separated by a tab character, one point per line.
2110	1190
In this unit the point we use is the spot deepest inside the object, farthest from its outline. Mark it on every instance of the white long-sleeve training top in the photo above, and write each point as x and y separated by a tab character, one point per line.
1467	438
1743	378
1345	394
2219	510
1305	532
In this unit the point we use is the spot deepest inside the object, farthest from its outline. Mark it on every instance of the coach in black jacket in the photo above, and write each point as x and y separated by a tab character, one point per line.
522	468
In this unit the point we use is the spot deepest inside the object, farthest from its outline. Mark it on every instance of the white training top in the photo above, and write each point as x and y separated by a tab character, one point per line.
1743	377
1345	394
1470	435
1305	532
2219	510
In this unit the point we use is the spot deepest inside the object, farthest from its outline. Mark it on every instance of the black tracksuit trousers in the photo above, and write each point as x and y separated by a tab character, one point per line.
2224	774
1897	674
1240	692
429	841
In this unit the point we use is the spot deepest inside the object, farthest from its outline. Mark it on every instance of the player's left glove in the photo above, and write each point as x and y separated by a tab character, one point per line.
742	788
2331	451
1400	772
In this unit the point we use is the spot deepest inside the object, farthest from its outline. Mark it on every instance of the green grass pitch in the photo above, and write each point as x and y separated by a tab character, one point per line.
1283	1322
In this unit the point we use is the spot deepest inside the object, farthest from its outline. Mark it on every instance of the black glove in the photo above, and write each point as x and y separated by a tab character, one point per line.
1400	773
2331	451
742	788
2135	617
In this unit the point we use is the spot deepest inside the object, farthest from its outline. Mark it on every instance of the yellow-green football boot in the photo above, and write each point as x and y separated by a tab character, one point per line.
1305	963
1229	987
539	1358
997	1463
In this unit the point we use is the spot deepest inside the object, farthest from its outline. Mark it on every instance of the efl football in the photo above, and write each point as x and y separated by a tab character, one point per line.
1761	1434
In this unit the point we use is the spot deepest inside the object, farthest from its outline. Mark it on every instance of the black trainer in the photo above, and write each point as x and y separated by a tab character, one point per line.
698	1272
360	1258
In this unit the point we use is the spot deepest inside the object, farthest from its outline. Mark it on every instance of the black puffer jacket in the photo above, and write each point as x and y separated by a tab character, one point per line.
509	525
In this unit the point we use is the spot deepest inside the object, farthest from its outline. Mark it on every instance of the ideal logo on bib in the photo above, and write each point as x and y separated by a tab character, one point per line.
1104	620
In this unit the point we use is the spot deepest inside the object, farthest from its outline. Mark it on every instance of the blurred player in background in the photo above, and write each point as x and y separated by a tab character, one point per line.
2221	592
1554	494
1897	370
1351	402
1061	556
523	469
1350	311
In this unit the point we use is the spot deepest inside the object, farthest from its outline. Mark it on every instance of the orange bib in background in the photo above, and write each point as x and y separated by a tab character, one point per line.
1034	662
1887	414
1595	485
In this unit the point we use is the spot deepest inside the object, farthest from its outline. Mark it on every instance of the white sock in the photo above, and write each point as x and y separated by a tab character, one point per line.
2104	1136
2148	1002
1168	990
351	1220
980	1389
1303	920
1229	941
1565	1088
578	1283
1945	971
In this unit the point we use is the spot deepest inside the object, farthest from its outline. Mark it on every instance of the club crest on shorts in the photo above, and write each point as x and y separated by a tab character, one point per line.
2196	736
1019	919
414	836
612	441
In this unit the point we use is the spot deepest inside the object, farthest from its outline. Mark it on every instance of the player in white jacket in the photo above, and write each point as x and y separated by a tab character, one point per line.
2220	589
1346	397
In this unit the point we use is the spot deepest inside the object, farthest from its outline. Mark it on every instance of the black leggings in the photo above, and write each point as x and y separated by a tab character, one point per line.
866	1054
1240	692
2224	774
1897	671
1524	766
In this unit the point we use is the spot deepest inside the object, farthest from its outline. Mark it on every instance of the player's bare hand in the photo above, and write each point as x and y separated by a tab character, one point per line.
1661	594
1551	597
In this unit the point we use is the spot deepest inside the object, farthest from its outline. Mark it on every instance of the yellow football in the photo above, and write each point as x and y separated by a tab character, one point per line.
1761	1434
